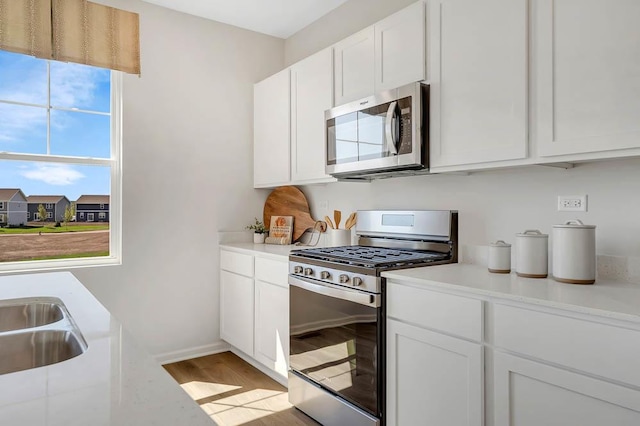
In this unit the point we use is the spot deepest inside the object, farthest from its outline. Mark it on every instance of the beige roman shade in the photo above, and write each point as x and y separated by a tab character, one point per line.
25	27
93	34
72	31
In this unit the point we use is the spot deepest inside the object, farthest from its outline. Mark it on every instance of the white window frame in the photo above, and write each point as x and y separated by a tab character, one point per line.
102	215
28	215
115	223
1	204
81	215
49	215
101	206
1	217
48	206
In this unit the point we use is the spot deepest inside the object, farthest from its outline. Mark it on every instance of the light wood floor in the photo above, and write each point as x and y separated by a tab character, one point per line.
233	392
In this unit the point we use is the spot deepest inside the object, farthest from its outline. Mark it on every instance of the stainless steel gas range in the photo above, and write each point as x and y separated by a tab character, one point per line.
337	311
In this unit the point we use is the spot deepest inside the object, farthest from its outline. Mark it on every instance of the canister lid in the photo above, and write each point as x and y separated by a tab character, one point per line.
533	233
574	224
500	243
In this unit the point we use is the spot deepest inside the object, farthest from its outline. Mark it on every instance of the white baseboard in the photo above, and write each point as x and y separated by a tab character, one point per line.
184	354
275	376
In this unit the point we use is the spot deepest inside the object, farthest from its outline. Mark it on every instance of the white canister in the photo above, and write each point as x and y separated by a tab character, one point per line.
574	253
500	257
532	254
339	237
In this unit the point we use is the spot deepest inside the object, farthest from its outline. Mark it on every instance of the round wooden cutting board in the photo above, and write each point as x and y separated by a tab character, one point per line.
289	201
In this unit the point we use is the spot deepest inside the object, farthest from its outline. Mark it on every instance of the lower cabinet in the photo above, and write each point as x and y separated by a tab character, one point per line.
272	326
529	393
236	309
432	379
254	308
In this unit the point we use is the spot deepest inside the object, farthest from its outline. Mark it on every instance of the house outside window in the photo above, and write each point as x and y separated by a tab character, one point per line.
1	218
101	206
70	147
101	216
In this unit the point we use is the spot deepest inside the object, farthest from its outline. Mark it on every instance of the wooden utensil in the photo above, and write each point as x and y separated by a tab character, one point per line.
289	201
329	223
337	215
351	221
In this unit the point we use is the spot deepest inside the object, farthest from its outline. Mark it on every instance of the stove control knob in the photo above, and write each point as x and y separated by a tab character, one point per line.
325	275
297	270
357	281
344	279
308	271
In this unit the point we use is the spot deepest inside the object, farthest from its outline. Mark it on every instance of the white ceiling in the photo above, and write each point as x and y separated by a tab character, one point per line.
279	18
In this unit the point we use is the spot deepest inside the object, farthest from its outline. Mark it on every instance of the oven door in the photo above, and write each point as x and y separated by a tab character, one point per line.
336	340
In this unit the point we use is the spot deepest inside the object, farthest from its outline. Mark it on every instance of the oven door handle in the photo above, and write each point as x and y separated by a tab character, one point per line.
362	298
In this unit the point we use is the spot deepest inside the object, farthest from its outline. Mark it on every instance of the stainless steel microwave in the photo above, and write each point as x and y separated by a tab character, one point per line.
380	136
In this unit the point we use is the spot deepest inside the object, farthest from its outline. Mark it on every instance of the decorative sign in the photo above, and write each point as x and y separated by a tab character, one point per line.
280	230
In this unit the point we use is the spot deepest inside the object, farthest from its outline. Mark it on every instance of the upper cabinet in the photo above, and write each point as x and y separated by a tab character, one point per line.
271	126
354	67
386	55
311	96
478	76
586	75
400	51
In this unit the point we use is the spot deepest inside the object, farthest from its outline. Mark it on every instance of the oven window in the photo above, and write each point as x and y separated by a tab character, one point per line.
335	343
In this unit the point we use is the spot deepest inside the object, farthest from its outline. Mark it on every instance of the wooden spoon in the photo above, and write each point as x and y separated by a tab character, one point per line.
337	215
351	220
328	220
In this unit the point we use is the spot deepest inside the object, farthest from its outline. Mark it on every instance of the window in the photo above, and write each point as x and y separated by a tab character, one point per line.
101	206
1	204
1	218
59	136
101	216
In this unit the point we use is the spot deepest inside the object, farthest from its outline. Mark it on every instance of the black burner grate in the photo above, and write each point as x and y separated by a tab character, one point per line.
372	257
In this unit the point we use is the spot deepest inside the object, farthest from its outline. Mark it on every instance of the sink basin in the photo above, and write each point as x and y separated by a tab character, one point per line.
19	314
26	350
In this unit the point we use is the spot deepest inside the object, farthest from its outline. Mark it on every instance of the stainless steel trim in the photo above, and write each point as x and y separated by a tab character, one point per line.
325	407
362	298
430	224
388	123
404	244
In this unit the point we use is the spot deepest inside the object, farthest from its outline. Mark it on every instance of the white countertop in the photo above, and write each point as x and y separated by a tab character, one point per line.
273	251
114	383
605	298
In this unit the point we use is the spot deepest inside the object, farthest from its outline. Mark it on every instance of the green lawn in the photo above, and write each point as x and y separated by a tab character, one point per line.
53	229
71	256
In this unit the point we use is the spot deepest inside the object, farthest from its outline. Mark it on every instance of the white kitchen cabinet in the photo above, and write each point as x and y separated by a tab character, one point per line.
354	67
272	326
432	379
529	393
400	48
237	310
311	95
585	75
479	81
272	124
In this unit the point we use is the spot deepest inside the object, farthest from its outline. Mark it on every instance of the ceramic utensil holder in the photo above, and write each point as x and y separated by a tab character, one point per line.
339	237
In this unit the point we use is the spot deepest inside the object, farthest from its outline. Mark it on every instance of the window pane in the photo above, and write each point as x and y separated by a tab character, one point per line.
80	134
26	234
80	86
23	129
23	78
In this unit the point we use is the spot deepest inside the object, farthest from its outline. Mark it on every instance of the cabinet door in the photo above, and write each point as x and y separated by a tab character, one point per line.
236	311
272	326
586	75
311	95
478	57
528	393
353	67
432	379
271	115
400	51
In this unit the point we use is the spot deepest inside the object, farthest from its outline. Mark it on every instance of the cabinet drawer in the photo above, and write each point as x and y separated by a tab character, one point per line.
596	348
459	316
272	271
236	262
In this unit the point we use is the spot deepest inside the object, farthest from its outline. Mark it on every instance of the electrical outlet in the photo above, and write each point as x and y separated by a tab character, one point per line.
323	205
572	203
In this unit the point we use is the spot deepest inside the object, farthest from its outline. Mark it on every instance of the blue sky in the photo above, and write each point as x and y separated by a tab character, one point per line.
23	129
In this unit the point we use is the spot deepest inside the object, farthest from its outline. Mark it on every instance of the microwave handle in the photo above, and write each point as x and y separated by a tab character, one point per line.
391	142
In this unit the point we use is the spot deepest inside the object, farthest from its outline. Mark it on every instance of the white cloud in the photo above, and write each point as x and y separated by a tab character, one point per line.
54	174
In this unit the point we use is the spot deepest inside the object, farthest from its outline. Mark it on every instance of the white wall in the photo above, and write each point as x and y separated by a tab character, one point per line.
187	173
493	205
341	22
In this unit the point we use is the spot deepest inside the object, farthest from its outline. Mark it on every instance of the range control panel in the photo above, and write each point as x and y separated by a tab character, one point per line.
368	283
